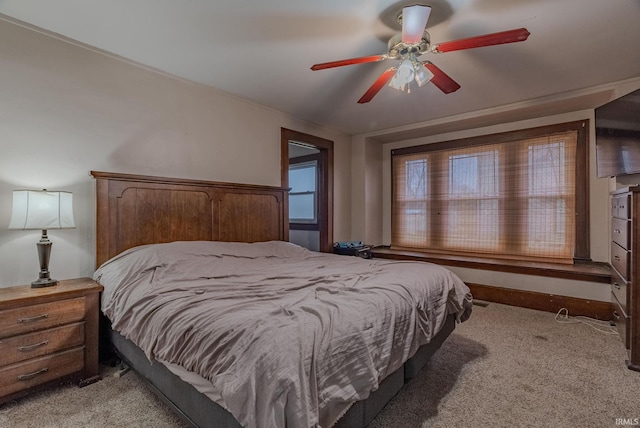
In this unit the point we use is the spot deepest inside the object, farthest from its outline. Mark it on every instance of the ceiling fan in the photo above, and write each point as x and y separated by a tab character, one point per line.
413	42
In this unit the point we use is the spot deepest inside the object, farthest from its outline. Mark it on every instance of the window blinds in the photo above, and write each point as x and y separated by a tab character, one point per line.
513	199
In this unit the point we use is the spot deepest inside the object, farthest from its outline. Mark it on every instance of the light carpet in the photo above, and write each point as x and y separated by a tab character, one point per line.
504	367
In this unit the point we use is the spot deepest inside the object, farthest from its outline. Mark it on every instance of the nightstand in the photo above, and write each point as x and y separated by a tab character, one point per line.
47	334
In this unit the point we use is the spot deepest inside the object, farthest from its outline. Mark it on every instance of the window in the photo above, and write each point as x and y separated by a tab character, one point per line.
303	195
414	202
473	199
517	195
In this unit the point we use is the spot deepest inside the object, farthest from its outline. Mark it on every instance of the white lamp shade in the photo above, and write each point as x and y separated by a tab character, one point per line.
34	209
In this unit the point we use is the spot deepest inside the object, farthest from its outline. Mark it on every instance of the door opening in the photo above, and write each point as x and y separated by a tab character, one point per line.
308	160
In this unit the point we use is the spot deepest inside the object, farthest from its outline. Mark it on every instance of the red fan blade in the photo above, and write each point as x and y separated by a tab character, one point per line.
332	64
377	85
511	36
442	81
414	21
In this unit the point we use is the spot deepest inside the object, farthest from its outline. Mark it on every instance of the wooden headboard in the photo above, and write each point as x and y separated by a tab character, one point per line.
136	210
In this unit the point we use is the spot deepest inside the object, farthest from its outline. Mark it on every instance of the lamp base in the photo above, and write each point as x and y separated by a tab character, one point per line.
44	252
43	282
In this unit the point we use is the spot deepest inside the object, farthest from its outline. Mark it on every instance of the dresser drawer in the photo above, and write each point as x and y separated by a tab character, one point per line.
621	206
620	289
620	232
37	317
620	260
19	348
622	322
20	376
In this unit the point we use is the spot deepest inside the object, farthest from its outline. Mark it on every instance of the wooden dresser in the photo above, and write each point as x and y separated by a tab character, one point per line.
625	275
47	334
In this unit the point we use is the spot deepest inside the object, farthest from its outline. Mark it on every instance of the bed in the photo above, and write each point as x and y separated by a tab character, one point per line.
233	326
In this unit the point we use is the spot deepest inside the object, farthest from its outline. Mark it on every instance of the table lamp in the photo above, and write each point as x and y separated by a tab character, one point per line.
41	209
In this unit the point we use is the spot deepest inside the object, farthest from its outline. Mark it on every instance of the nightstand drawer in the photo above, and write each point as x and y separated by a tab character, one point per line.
38	317
20	376
26	346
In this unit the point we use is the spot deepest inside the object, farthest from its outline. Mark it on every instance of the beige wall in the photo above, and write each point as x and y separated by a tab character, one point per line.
366	201
66	110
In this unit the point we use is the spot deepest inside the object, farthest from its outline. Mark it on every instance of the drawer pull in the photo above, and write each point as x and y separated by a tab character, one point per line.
32	319
616	316
28	348
616	258
616	285
616	231
29	376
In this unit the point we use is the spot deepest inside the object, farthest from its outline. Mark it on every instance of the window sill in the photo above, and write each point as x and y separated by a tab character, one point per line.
591	272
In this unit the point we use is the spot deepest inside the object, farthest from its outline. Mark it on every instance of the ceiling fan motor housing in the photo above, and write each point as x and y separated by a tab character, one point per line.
398	49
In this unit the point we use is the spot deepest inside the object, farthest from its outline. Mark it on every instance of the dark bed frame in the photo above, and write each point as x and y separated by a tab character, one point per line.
135	210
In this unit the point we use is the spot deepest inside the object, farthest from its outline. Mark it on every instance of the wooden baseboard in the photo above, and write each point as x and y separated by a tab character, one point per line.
543	302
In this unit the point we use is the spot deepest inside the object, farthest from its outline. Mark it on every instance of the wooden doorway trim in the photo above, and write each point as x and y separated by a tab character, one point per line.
325	188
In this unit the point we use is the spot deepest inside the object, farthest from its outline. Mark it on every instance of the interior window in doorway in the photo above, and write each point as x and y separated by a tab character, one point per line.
303	198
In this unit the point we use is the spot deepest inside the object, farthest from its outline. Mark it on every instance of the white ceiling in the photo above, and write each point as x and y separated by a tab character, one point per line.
262	50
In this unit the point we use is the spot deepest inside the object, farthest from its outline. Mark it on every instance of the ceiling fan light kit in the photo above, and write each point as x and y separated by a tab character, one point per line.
413	42
403	75
423	75
407	71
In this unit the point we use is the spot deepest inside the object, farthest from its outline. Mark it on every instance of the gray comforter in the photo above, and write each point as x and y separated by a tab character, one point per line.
286	336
